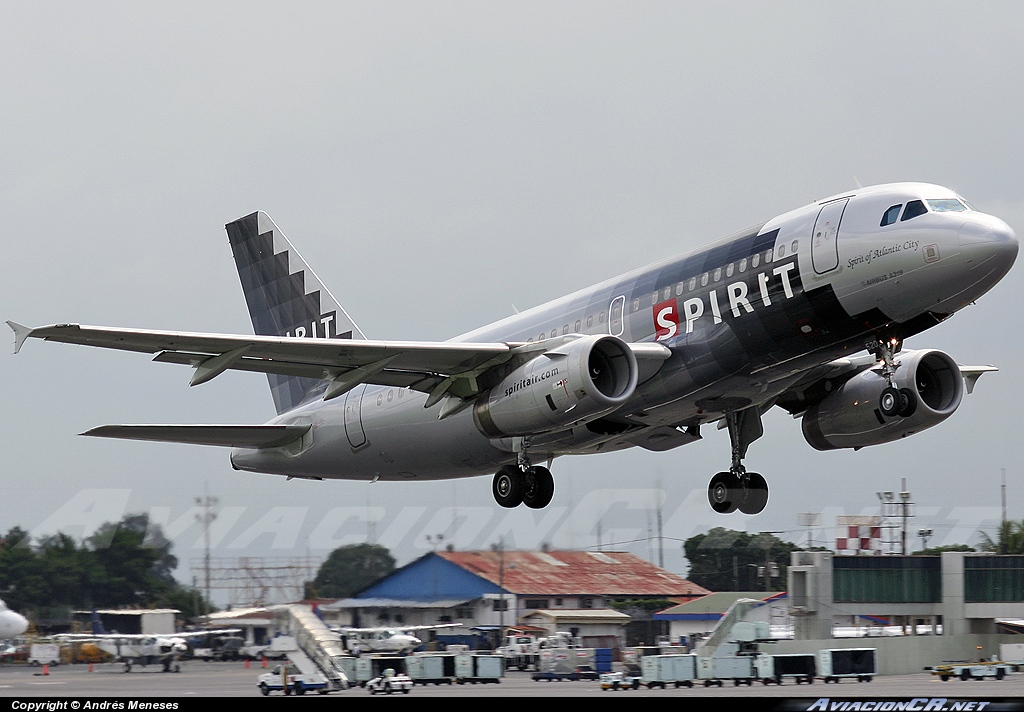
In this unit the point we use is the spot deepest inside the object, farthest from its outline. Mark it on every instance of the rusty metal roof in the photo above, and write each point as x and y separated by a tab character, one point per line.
573	573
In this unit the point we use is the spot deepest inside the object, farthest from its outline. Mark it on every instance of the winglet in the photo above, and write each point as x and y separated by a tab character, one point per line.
21	333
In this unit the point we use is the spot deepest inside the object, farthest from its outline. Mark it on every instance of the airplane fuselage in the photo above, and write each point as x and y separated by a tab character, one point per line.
744	319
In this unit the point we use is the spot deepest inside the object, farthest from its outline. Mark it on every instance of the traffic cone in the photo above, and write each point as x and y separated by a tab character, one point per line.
90	666
46	668
264	661
247	663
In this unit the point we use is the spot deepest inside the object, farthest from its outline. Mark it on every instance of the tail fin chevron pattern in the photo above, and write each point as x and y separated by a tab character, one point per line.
285	298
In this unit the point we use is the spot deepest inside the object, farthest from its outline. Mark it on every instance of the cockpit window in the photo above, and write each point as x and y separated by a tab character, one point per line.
914	208
947	205
890	215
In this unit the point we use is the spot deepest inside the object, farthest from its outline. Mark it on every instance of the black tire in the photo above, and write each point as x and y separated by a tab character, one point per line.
538	487
944	678
889	402
723	492
908	403
264	690
755	495
965	674
1000	674
508	486
300	689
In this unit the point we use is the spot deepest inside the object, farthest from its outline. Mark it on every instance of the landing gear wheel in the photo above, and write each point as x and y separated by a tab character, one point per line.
889	402
755	497
539	487
507	487
908	403
723	492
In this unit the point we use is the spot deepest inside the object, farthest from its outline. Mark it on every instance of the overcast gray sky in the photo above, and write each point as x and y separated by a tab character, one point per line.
436	163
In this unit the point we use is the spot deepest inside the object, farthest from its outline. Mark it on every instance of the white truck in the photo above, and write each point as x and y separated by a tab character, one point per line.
288	680
523	650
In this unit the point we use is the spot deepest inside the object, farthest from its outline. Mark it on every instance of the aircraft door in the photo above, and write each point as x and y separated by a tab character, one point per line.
615	316
825	237
353	416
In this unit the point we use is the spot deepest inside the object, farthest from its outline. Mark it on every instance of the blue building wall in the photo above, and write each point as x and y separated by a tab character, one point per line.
430	578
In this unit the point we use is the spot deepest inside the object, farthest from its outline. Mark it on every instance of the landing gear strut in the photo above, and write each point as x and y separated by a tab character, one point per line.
523	483
893	400
737	488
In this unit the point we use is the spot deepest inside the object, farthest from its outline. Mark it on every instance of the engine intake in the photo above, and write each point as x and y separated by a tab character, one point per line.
572	384
930	385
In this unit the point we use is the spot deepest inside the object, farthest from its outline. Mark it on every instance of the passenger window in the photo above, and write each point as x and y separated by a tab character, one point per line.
767	256
792	248
890	215
729	269
755	261
565	330
693	283
782	250
636	304
590	321
541	337
914	208
679	289
579	325
704	280
380	399
718	273
664	295
743	265
554	333
391	395
600	317
654	299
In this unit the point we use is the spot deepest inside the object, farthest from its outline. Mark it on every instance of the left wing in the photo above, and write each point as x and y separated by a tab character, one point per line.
418	365
436	368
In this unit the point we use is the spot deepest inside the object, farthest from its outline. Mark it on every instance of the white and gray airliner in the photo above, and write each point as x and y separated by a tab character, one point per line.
808	312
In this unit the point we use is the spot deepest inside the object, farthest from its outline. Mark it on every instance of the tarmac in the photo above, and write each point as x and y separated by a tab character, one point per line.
231	679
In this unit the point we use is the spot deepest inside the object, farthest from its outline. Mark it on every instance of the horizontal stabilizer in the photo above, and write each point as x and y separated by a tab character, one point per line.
247	436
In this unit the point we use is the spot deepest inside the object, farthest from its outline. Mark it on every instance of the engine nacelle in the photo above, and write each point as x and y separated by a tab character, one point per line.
851	415
571	384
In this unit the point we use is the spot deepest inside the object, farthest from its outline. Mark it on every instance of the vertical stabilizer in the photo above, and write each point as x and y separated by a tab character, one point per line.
285	298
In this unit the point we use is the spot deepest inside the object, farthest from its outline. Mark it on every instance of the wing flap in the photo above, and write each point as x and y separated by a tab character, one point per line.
244	436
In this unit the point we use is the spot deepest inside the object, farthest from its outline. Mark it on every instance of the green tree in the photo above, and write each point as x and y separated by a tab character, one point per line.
1009	539
937	550
727	560
351	568
133	564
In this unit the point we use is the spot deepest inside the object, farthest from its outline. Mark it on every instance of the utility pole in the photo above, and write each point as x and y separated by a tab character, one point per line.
206	518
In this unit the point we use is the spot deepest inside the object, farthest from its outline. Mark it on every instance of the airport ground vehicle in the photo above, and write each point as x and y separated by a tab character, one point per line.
630	679
389	682
286	679
972	671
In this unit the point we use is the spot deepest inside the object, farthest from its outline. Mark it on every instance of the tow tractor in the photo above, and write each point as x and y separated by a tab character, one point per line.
972	671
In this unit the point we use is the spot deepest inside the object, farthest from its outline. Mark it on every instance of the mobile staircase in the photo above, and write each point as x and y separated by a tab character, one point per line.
311	646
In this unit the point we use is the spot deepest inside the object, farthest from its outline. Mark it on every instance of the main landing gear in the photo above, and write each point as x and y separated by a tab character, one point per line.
737	488
893	401
523	483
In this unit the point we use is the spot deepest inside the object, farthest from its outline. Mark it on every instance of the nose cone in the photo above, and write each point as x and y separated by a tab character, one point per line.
988	247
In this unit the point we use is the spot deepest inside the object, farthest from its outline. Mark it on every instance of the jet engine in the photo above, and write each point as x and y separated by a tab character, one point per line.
930	388
571	384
